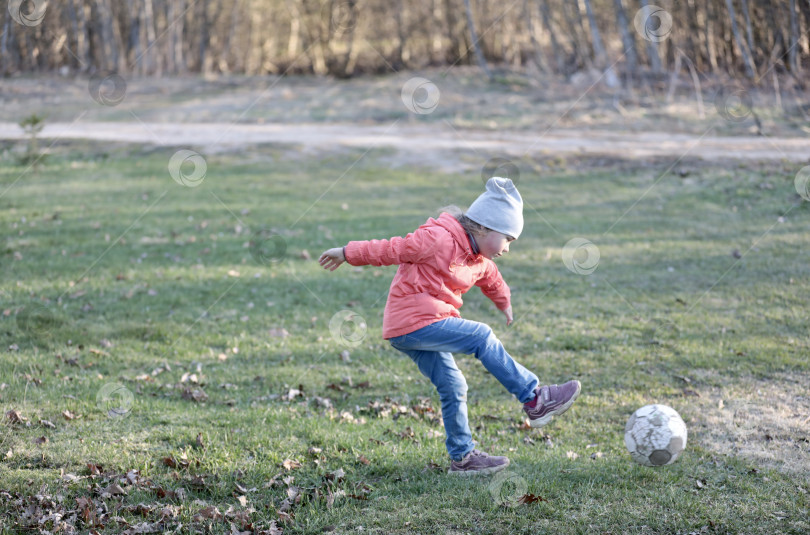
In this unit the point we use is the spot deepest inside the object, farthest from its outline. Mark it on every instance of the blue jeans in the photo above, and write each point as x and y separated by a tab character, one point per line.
430	348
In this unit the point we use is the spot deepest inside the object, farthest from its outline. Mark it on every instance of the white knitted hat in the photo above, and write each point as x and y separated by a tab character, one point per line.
499	208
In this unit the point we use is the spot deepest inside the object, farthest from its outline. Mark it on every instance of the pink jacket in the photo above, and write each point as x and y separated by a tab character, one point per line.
436	266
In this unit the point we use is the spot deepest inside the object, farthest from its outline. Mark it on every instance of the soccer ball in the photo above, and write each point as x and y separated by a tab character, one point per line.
655	435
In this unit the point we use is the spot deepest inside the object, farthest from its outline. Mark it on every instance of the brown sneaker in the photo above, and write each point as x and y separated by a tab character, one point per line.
478	462
551	401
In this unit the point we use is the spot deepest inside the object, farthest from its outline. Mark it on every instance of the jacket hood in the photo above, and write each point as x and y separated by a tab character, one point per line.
451	224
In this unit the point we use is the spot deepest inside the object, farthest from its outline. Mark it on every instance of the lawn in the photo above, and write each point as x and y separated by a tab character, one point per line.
174	359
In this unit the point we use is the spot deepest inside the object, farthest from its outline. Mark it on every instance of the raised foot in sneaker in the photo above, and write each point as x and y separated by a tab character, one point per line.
477	462
551	401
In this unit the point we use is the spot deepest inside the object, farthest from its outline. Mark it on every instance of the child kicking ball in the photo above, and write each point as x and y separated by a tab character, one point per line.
438	263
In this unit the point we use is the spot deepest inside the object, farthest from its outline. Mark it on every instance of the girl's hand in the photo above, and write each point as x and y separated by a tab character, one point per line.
332	258
508	313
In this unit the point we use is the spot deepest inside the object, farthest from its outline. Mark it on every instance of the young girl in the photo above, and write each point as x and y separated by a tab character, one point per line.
438	263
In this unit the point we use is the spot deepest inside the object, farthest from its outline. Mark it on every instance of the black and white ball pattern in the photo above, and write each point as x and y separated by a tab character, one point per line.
655	435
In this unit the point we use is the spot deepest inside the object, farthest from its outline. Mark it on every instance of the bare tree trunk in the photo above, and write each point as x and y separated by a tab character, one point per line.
692	32
147	62
555	44
793	45
711	48
5	57
599	49
79	24
106	39
202	48
749	65
749	34
628	42
398	61
435	47
175	19
227	55
479	57
652	46
577	33
537	54
135	36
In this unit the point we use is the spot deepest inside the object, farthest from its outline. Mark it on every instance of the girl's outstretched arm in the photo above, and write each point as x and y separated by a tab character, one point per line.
332	258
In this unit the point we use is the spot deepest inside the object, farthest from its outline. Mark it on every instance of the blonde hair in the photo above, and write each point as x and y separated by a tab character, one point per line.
466	223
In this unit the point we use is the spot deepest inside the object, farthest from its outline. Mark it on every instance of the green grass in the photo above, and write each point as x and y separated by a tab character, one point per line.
112	273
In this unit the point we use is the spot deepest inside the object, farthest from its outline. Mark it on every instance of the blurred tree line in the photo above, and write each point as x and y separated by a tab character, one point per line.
626	40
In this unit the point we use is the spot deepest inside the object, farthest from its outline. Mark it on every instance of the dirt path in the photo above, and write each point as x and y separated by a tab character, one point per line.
418	143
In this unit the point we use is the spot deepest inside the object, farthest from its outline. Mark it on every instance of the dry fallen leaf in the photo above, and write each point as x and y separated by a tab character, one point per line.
47	423
68	415
290	464
278	332
94	469
15	417
530	498
41	440
196	395
114	490
211	512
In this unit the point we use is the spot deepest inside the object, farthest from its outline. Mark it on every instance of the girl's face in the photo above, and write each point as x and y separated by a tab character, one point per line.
493	244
